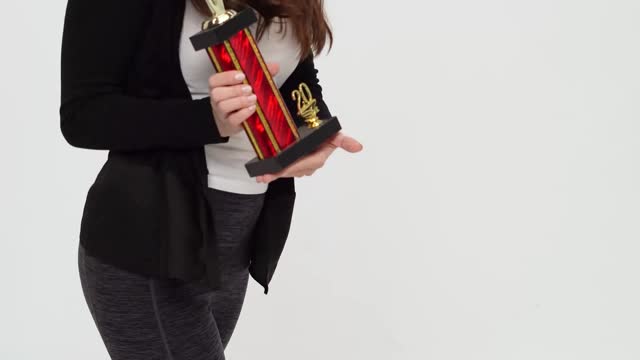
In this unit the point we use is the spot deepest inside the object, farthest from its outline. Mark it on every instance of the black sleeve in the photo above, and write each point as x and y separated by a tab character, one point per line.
99	41
305	72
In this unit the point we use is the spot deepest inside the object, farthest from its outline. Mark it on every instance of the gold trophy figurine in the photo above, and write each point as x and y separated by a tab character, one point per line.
307	106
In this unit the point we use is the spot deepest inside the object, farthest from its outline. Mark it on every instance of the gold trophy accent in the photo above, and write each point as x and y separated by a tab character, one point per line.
307	106
220	13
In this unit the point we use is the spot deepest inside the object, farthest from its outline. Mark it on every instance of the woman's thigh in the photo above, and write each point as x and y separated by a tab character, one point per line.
234	218
143	318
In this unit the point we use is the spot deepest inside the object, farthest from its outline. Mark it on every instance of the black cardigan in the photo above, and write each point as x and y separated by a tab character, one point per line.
123	91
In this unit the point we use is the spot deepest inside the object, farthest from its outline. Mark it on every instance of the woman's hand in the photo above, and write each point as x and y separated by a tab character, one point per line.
232	101
310	163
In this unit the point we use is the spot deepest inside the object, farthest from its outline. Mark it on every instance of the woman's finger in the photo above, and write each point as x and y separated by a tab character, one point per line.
223	93
325	150
240	116
346	143
274	68
226	78
236	103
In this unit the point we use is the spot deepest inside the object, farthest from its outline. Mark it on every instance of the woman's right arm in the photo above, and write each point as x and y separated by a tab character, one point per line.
99	41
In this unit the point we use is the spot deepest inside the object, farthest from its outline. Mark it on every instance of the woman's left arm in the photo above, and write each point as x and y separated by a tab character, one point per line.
307	73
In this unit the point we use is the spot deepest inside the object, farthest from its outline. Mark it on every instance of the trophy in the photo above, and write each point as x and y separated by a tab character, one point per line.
276	139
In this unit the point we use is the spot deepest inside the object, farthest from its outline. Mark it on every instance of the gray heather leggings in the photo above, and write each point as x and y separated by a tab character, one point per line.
141	318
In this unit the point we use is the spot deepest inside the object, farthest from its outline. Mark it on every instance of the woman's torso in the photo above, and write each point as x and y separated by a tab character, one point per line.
145	211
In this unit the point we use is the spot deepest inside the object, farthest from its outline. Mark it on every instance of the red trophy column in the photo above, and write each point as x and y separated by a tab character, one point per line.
271	128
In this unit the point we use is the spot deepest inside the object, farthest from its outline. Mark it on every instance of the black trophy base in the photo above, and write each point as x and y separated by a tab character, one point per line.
220	33
310	140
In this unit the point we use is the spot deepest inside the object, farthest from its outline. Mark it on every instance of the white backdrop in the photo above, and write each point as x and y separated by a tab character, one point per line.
493	215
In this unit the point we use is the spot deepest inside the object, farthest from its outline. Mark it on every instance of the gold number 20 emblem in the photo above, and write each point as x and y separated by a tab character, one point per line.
307	105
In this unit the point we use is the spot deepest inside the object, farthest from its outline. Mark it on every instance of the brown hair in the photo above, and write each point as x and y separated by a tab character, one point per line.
306	18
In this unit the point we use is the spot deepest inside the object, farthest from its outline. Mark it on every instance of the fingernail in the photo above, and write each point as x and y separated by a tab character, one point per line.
240	76
252	108
246	89
252	98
